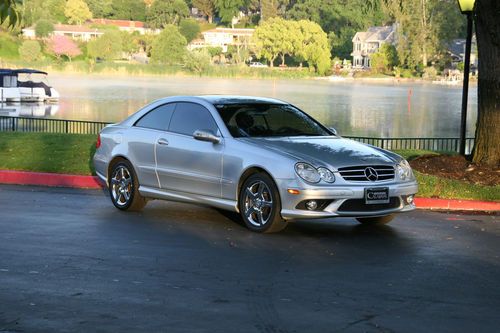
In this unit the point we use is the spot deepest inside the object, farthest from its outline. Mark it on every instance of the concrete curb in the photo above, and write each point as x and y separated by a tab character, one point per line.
93	182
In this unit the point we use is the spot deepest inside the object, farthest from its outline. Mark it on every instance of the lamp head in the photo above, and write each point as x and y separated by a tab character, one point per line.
466	6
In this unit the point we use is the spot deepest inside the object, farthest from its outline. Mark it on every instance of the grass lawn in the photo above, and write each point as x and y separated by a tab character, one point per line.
47	152
72	154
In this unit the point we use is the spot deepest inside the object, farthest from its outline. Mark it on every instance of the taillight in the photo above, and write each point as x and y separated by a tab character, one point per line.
98	142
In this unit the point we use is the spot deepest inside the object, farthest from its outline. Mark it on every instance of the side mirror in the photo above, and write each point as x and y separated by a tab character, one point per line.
333	130
206	135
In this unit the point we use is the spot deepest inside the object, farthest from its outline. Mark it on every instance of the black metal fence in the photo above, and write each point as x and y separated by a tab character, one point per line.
433	144
25	124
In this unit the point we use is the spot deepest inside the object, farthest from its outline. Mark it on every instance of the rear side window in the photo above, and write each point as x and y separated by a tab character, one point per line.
158	118
189	117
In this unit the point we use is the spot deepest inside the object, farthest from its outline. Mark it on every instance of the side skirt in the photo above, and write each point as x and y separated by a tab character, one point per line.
188	197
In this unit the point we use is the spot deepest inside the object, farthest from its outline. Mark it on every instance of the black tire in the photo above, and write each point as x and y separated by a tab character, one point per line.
124	187
260	204
377	220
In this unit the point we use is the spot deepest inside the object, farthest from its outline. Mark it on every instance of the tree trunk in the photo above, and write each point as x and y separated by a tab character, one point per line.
283	60
487	145
210	19
272	60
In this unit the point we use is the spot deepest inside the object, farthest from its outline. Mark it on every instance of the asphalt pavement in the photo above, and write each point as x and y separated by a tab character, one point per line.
71	262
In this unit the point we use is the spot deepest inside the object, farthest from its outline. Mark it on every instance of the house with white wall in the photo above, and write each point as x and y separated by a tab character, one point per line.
365	43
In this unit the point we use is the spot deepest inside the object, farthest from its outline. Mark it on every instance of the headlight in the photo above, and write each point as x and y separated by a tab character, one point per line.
326	175
404	170
307	172
312	175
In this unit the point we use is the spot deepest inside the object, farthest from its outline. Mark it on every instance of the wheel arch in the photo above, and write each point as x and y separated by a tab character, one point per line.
249	172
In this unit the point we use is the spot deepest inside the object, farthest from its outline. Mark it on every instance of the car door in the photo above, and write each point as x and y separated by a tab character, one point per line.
185	164
142	138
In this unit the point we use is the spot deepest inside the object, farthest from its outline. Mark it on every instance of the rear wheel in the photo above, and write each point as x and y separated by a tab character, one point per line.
260	204
375	220
123	187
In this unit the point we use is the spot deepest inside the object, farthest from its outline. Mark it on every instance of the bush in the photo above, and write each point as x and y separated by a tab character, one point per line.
8	46
30	51
109	46
197	61
429	73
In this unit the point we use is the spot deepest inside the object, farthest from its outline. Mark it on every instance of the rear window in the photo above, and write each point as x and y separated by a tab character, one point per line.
158	118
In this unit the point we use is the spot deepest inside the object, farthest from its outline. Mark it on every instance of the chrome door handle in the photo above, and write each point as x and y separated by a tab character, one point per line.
163	142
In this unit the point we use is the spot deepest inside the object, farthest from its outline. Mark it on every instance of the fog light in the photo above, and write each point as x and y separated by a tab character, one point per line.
311	205
409	199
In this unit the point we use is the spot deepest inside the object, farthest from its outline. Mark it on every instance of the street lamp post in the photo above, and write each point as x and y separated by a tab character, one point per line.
467	8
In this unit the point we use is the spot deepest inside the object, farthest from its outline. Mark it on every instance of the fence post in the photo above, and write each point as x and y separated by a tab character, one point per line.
67	126
13	124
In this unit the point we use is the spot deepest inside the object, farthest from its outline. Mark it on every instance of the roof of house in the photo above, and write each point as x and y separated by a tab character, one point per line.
376	34
119	23
74	28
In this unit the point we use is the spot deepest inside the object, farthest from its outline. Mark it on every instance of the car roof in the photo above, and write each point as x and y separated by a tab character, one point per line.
234	99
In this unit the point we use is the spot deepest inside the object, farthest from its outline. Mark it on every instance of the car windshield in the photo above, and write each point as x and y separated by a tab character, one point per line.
268	120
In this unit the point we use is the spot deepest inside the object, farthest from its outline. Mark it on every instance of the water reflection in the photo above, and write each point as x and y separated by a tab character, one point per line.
353	108
28	110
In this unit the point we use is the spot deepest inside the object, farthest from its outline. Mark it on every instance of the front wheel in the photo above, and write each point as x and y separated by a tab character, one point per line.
123	187
260	204
375	220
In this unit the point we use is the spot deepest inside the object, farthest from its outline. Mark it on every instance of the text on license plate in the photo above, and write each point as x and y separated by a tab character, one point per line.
377	195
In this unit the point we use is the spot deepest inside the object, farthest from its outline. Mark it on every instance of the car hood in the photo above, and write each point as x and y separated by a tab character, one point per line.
334	152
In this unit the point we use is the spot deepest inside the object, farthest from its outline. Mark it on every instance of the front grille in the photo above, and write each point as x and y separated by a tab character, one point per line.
365	173
359	205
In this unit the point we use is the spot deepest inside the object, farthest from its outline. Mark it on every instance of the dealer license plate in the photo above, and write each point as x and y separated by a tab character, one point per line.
377	195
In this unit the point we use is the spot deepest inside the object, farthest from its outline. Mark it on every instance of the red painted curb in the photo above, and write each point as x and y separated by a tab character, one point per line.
454	204
93	182
48	179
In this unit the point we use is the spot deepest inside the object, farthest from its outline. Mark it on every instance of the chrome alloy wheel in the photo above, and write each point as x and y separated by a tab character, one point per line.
121	185
258	203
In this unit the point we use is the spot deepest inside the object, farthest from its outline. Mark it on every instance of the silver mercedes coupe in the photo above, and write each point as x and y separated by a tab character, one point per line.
263	158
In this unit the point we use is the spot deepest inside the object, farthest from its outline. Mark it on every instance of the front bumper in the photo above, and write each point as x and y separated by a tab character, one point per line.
338	200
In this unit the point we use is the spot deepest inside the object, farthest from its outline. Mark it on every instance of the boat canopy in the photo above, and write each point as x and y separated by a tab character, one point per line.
28	71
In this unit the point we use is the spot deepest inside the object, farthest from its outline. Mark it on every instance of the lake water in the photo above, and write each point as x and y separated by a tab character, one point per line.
353	108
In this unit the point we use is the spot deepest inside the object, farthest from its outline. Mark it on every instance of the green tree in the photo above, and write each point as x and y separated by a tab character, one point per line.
275	37
130	42
169	47
228	9
164	12
35	10
272	8
384	59
341	19
10	9
129	10
207	7
312	46
44	28
77	11
109	46
30	51
197	61
100	8
190	29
